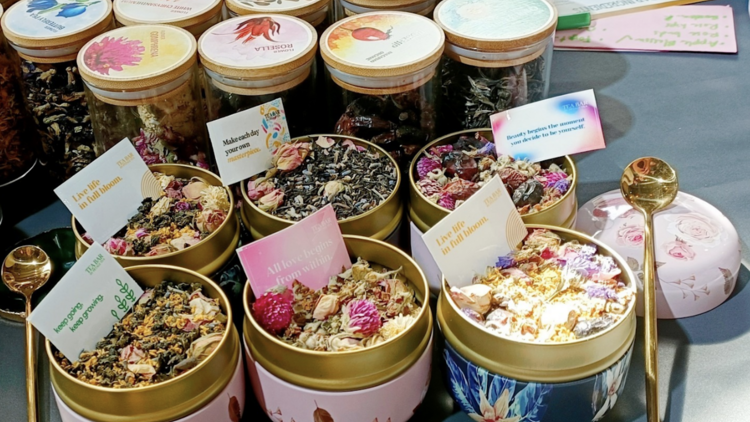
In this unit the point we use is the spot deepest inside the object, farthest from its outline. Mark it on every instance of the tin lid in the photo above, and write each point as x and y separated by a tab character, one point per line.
381	44
496	25
258	46
51	28
697	249
297	8
182	13
136	58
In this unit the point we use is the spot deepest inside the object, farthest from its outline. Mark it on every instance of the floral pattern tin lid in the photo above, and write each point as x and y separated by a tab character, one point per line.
697	249
184	12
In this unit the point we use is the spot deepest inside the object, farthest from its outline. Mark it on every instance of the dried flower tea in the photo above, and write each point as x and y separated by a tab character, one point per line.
16	155
548	291
448	175
359	308
171	329
310	175
187	212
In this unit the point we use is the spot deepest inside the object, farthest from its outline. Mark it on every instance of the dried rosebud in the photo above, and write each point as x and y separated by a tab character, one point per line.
364	317
477	297
271	201
426	165
428	187
461	189
204	346
446	201
209	221
119	247
512	178
145	370
333	188
193	190
325	142
273	312
327	306
290	156
131	354
256	190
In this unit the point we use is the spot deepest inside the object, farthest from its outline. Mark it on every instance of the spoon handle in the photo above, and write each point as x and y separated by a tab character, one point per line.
651	342
31	407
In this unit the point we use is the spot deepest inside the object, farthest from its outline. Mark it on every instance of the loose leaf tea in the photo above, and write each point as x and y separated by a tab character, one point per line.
449	174
56	100
310	175
548	291
474	93
188	211
170	330
15	152
359	308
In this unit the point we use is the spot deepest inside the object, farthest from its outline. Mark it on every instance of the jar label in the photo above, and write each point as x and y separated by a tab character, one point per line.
272	6
53	18
137	52
495	19
255	41
160	11
384	39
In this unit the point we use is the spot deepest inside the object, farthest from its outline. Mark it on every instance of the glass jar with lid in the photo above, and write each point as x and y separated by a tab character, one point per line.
46	35
314	12
142	84
195	16
357	7
385	66
498	56
252	60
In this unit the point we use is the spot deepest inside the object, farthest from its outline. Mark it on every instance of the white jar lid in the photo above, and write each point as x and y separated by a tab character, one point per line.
697	250
182	13
300	9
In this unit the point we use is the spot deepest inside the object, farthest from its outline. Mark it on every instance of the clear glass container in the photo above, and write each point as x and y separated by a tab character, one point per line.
247	74
497	56
384	65
148	92
195	16
50	81
357	7
317	13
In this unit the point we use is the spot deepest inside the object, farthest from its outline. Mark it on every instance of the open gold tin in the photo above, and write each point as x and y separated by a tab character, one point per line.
378	223
426	214
205	257
353	370
165	401
541	362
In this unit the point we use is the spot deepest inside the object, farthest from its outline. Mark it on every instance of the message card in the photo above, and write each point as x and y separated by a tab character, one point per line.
310	251
105	194
243	142
474	235
423	257
551	128
86	303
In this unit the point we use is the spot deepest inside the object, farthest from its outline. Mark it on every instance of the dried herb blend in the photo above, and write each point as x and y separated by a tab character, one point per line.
359	308
16	155
310	175
171	329
449	174
188	211
549	291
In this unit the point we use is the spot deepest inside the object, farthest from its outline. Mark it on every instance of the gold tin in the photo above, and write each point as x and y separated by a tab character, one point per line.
377	223
354	370
541	362
206	257
165	401
425	214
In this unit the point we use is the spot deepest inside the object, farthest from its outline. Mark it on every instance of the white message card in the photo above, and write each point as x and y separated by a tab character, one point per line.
243	142
475	234
550	128
105	194
86	303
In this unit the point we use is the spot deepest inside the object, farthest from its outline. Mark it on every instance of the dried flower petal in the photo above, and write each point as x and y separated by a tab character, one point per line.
273	312
364	317
271	201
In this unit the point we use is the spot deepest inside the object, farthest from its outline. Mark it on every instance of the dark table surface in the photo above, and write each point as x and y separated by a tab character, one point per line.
692	110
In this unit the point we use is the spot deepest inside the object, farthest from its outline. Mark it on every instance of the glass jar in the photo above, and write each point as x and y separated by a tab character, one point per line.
385	65
314	12
498	56
357	7
147	92
249	71
46	45
195	16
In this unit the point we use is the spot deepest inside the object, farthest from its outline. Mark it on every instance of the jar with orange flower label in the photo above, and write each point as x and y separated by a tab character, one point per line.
142	84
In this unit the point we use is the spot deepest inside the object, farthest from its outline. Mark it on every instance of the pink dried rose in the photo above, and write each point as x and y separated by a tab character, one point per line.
461	189
551	178
333	188
327	305
679	250
630	235
428	187
289	156
194	190
174	189
131	354
446	201
426	165
257	189
271	201
118	247
273	311
112	54
364	317
141	233
351	145
209	221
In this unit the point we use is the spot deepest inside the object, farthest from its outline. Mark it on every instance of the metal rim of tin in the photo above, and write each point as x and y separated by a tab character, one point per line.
177	397
541	362
349	370
428	213
362	224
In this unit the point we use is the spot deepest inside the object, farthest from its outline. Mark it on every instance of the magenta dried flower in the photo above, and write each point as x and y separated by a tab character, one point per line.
364	317
141	233
553	177
182	206
425	165
446	201
273	311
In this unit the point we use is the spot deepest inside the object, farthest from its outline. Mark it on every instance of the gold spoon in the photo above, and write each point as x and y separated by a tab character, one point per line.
649	185
24	271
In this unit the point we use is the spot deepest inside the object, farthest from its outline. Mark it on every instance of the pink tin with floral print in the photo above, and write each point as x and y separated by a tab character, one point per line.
697	250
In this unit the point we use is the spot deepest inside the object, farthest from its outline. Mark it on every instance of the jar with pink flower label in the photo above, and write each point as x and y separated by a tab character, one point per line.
142	84
697	250
195	16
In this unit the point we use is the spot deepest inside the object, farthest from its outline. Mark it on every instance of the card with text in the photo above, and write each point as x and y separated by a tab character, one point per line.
243	142
474	235
105	194
424	258
550	128
310	251
86	303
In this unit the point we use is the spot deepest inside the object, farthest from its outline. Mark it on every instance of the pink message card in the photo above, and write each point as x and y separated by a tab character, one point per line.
310	251
676	28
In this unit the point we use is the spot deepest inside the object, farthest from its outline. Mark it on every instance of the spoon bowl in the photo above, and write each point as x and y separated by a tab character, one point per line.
649	184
